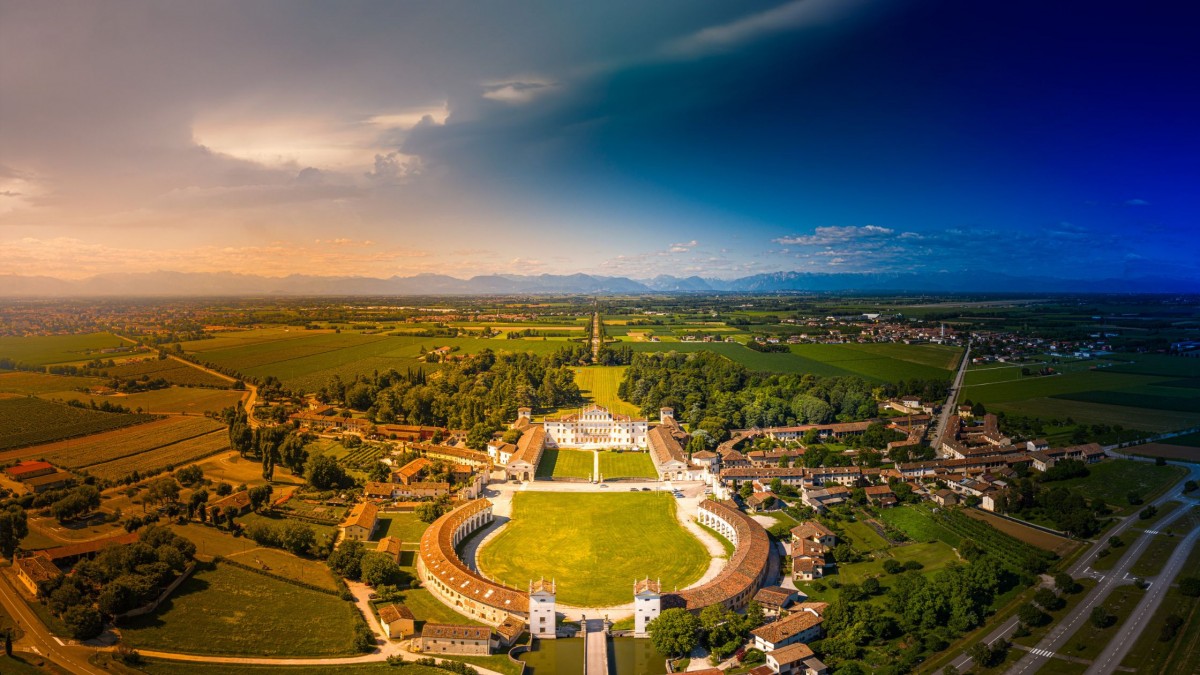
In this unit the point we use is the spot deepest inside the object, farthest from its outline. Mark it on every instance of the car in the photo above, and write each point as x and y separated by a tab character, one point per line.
603	485
633	489
645	489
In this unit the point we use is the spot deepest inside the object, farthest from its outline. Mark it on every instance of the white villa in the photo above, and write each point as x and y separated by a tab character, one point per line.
595	427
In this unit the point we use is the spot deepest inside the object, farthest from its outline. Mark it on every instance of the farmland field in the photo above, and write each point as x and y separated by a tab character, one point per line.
168	369
85	452
29	421
210	541
222	609
157	667
627	465
1167	450
1098	413
51	349
407	527
174	455
571	538
22	382
599	385
566	464
193	400
1043	540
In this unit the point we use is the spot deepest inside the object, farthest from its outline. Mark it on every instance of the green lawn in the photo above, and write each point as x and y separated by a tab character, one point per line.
627	465
405	526
916	523
933	557
725	543
425	607
1036	634
599	385
594	544
222	609
566	464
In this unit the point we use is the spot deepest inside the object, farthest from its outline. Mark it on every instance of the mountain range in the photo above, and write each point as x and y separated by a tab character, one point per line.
156	284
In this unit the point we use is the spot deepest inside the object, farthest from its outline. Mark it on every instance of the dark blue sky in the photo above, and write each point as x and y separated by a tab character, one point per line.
705	137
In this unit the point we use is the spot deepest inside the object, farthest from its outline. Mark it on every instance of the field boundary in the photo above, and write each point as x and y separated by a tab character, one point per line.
142	452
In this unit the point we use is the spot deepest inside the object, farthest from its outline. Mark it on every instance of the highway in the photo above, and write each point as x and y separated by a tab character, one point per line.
38	639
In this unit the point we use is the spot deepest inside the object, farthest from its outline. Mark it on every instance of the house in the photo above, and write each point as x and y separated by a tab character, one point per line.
809	560
422	489
667	454
944	497
376	490
47	482
411	472
774	599
795	659
761	501
360	522
509	630
397	621
1037	445
881	495
390	546
443	638
29	469
36	570
811	530
239	501
803	625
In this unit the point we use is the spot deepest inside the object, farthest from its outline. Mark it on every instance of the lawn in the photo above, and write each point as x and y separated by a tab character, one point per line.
425	607
223	609
627	465
210	541
407	527
594	544
1113	480
863	537
918	525
599	385
564	463
932	557
1036	634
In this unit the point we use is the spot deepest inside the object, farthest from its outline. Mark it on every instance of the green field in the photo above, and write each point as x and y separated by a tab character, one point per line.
917	524
1088	641
599	385
45	350
932	556
627	465
563	463
162	667
1150	654
30	421
23	382
192	400
406	527
171	370
863	537
1155	556
1113	480
594	545
223	609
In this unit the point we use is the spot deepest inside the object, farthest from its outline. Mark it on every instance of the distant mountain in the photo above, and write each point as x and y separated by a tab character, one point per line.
175	284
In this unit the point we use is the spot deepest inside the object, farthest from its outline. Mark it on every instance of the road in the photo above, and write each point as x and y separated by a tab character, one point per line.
1079	569
38	639
1067	625
951	404
596	662
596	338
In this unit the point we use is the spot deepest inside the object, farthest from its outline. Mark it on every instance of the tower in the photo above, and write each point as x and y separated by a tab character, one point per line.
541	609
666	413
524	414
647	604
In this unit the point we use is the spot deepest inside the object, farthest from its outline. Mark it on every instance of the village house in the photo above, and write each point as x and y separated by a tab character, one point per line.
774	599
411	472
36	570
397	621
391	547
441	638
47	482
795	659
239	501
880	495
802	625
360	522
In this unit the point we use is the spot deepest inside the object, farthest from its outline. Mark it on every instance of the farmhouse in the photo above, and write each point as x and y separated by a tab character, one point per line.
411	472
441	638
360	522
29	469
397	621
391	547
239	501
52	481
595	427
472	458
795	659
774	599
803	625
35	571
375	490
418	490
321	422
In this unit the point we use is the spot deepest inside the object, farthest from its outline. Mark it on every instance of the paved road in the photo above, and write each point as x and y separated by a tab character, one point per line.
1067	625
1120	644
1005	630
948	408
39	640
597	648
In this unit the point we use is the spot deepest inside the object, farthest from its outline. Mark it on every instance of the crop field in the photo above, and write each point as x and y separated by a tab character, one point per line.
29	421
593	546
189	400
162	667
23	382
565	463
84	452
1182	453
45	350
599	385
878	362
1097	413
364	456
307	360
222	609
627	465
210	541
1189	440
1033	536
174	455
170	370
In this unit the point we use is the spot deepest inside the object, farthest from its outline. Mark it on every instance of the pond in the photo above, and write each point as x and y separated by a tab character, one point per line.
626	656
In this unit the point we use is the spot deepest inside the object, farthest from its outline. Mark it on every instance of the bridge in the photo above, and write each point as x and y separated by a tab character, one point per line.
595	641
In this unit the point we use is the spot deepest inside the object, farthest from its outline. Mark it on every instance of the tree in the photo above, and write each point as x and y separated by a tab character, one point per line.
1048	600
378	569
1101	617
870	586
83	621
675	632
259	496
1030	615
1065	583
162	490
346	560
13	528
893	566
324	473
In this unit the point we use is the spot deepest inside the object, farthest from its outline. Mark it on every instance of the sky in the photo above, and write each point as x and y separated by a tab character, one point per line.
681	137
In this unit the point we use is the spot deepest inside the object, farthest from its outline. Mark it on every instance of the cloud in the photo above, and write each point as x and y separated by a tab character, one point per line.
827	236
1137	202
394	167
683	247
408	118
518	90
786	17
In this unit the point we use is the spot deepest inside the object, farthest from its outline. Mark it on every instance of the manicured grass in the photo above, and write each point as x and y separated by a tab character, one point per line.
425	607
1036	634
627	465
1155	556
599	385
594	544
210	541
405	526
1088	641
1113	480
222	609
863	537
565	463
